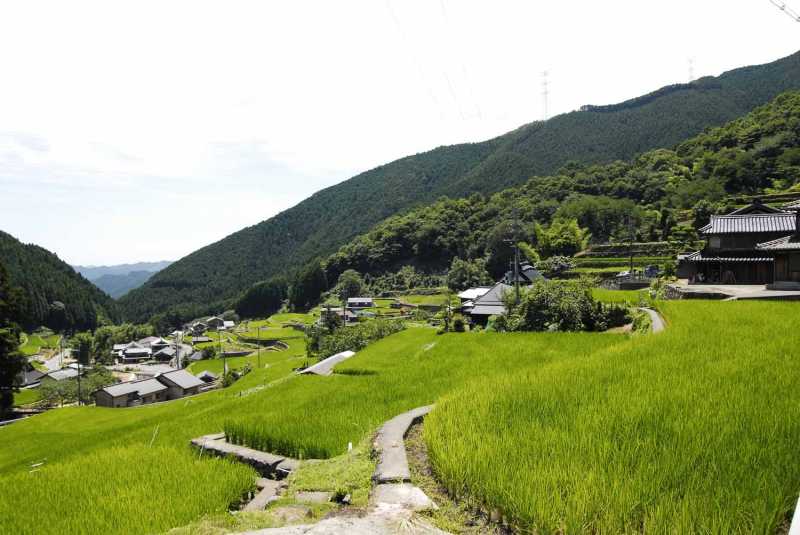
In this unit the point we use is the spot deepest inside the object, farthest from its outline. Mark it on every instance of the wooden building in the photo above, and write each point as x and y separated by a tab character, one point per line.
786	254
732	254
131	394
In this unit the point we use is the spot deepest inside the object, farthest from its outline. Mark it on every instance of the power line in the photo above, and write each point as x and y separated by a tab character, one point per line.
786	9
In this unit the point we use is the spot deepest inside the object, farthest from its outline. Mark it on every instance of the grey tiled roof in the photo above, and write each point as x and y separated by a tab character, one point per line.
787	243
494	296
182	378
738	224
64	373
143	387
700	257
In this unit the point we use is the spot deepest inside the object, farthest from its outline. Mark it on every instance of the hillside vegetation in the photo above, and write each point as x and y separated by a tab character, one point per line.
209	279
646	196
53	294
602	432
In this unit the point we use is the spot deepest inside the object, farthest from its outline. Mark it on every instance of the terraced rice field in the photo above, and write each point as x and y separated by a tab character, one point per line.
577	432
694	430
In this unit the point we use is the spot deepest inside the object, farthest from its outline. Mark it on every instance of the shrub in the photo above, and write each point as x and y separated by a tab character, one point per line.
358	336
458	324
553	306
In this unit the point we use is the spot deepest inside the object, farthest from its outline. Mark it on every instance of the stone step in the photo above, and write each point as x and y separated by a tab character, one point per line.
270	491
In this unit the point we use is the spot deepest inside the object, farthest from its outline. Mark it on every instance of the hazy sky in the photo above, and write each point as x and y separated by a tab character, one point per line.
133	131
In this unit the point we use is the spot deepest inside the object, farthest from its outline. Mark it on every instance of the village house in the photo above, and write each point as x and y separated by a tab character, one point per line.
180	383
215	323
741	247
354	303
29	376
490	303
526	275
169	385
786	253
347	316
131	394
59	375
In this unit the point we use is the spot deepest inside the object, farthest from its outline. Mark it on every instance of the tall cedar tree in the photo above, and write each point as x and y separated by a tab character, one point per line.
11	361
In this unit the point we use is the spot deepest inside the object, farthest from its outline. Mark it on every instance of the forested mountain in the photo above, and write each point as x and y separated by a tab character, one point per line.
645	195
118	285
53	294
210	278
93	273
119	279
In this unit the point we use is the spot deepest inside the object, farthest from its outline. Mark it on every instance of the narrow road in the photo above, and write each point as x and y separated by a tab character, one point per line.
656	321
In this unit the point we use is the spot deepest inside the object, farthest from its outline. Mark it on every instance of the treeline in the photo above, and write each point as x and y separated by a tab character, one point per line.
642	199
52	293
212	278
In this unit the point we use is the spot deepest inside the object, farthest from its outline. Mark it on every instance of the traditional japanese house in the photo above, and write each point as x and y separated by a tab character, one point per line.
786	253
732	254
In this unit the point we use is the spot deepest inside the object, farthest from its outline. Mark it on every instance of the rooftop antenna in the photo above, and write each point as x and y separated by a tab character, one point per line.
545	93
786	9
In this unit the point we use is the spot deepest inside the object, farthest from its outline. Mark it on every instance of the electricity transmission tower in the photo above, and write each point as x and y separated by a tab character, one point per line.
545	93
786	9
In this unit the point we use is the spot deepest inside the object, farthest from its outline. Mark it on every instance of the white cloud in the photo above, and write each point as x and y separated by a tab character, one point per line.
144	130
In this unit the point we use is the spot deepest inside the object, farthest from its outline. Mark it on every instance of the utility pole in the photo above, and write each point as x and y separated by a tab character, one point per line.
258	331
224	358
630	243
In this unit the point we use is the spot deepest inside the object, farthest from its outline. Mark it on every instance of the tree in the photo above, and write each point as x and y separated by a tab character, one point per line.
465	274
562	237
262	299
349	285
307	287
82	345
11	361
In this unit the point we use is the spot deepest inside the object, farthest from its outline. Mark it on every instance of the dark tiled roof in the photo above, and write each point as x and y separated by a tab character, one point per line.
494	296
787	243
700	257
739	224
756	208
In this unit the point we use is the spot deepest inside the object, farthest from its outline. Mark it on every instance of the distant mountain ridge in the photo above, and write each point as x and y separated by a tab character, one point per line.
95	272
210	278
117	280
53	294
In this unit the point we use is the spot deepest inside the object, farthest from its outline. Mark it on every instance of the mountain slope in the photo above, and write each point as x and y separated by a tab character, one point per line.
45	281
209	278
119	279
647	196
93	273
118	285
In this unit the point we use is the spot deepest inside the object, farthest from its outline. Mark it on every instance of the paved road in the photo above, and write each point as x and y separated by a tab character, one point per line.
656	321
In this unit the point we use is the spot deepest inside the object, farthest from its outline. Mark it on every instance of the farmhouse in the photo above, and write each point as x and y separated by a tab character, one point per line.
526	274
60	375
131	394
215	323
180	383
740	247
360	302
201	339
490	303
29	376
348	316
168	353
786	253
135	353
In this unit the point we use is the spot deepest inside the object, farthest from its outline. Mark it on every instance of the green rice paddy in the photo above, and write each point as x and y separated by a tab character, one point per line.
691	430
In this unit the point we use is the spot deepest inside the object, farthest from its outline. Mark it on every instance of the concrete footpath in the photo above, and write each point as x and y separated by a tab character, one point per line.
393	501
656	321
